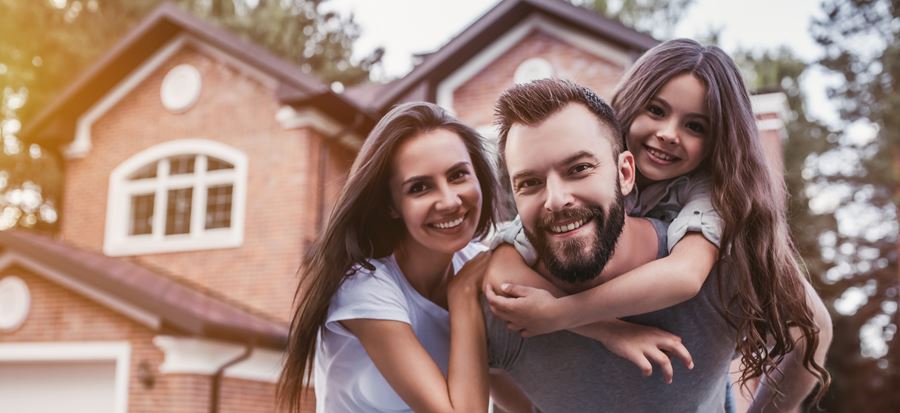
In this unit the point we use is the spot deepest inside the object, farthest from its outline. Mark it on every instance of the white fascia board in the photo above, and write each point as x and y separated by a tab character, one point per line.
81	145
290	118
512	38
148	319
187	355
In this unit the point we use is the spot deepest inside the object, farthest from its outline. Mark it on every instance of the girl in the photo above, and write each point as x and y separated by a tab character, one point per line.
372	319
688	121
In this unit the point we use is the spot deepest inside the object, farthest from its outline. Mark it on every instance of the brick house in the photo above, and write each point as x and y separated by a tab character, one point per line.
197	169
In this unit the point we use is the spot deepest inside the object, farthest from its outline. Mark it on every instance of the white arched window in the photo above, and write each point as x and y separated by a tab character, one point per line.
177	196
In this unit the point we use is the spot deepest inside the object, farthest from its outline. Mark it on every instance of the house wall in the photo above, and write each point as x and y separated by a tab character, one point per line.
236	110
474	100
58	315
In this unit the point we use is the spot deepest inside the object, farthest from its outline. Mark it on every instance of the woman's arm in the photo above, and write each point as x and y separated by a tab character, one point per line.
653	286
410	370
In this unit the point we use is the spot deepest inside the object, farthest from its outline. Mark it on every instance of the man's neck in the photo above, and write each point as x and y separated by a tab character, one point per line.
637	245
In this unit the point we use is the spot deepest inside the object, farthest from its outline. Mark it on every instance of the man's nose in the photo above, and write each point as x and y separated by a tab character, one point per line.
558	195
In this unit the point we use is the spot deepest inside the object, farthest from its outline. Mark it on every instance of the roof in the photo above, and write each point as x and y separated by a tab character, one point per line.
492	25
56	123
182	309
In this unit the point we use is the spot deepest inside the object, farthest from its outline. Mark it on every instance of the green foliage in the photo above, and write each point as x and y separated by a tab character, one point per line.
657	17
46	44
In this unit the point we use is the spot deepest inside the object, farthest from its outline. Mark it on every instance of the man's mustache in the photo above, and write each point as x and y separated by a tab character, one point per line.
547	220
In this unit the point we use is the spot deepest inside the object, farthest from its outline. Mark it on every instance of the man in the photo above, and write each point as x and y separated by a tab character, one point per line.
560	146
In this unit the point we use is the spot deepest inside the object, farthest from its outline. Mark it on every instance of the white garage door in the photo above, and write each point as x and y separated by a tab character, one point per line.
57	386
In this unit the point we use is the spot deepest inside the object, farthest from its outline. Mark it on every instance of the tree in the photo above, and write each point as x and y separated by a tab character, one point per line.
657	17
861	47
44	46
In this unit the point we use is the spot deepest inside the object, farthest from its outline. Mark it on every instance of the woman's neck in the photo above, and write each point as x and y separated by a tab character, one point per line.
428	271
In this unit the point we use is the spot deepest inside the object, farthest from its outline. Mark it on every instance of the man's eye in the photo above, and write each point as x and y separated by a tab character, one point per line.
527	184
582	167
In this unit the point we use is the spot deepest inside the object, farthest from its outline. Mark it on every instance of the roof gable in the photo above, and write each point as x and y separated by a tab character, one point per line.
57	123
495	24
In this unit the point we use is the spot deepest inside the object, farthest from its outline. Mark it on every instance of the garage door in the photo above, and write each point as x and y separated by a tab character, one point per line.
56	386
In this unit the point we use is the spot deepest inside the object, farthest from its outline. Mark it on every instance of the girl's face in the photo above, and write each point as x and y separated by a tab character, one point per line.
435	192
670	136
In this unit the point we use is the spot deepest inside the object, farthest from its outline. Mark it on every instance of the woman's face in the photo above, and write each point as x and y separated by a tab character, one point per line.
669	137
435	191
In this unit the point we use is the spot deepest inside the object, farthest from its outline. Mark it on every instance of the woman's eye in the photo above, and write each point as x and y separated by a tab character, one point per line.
458	175
417	187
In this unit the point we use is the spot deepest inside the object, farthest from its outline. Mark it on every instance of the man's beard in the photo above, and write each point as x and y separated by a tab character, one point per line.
578	260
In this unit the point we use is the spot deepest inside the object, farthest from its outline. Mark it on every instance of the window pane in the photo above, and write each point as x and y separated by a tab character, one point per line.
218	207
148	171
181	164
178	211
142	214
214	164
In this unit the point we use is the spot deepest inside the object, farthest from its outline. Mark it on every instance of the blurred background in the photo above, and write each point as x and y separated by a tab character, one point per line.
837	62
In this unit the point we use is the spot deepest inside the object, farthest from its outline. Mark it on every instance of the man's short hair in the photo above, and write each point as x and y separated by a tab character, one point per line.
532	103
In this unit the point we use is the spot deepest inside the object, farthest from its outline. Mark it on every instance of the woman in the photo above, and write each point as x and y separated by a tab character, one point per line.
372	317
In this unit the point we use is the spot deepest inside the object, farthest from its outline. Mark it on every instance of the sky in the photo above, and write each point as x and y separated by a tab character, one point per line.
405	27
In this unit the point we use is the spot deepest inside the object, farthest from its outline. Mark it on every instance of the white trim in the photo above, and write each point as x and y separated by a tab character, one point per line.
17	292
117	351
290	118
185	355
512	38
770	124
81	144
117	241
125	308
770	103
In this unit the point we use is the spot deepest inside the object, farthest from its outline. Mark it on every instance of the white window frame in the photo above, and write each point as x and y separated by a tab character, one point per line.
118	241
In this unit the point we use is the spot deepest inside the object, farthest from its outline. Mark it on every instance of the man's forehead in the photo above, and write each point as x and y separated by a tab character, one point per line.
528	147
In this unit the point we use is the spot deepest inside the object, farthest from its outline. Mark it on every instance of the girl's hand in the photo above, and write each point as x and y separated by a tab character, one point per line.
530	311
640	345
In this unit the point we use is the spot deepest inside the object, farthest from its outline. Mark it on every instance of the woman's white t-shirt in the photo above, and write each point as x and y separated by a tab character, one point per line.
346	380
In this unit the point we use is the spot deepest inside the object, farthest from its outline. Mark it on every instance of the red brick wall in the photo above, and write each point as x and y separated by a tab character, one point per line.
61	315
474	100
238	111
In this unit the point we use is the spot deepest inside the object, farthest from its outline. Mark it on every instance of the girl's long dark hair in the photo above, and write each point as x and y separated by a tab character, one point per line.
770	297
360	228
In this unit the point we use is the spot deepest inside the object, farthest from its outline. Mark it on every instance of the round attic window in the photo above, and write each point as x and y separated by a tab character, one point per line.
15	301
180	88
533	69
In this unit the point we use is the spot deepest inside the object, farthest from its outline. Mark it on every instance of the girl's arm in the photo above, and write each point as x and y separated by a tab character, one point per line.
410	370
653	286
638	344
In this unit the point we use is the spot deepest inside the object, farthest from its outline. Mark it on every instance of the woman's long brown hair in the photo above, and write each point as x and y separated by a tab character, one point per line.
360	228
769	296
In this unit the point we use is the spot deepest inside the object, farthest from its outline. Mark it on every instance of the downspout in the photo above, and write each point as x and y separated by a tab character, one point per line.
324	151
217	378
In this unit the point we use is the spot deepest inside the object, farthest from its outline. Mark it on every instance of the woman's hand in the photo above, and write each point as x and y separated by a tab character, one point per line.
469	279
641	345
530	311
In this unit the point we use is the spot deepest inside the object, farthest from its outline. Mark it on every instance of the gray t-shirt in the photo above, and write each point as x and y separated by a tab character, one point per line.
566	372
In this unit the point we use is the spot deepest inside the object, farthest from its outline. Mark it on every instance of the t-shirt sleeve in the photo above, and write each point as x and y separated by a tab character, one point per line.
513	233
697	215
504	345
367	294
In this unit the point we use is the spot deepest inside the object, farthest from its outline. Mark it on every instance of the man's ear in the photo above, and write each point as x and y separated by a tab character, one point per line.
627	172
